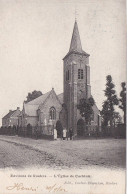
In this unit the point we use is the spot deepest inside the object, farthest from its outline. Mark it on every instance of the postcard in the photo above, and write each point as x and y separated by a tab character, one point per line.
63	96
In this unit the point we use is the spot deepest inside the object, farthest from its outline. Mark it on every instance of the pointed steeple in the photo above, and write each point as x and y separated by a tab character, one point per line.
75	41
75	46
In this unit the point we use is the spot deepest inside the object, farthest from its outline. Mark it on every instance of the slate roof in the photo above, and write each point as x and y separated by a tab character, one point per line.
39	100
32	106
31	109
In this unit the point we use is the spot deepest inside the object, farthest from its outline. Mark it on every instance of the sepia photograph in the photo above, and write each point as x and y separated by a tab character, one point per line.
63	96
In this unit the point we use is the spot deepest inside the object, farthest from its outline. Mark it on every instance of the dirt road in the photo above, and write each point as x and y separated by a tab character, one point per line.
18	152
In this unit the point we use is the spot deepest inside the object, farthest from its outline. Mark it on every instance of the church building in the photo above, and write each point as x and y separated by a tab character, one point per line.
60	111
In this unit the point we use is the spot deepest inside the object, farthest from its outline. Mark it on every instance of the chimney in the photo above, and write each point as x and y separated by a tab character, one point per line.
18	108
10	110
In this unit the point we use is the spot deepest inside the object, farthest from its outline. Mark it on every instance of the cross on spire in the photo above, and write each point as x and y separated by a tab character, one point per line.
76	14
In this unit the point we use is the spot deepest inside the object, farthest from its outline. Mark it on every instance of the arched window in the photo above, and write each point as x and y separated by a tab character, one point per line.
52	113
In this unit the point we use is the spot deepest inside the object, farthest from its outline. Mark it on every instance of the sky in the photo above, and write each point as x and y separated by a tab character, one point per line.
35	35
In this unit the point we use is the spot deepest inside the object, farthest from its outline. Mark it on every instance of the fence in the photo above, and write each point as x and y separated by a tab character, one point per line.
8	131
46	132
117	132
43	132
120	131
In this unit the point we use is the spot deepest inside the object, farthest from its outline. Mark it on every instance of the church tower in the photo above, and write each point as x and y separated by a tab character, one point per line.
76	78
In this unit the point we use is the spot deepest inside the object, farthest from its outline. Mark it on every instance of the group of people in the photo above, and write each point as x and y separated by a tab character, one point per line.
64	134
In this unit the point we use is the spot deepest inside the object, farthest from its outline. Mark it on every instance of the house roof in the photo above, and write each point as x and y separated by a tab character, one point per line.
9	114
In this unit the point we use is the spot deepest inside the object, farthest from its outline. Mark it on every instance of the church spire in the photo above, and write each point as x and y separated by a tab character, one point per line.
75	41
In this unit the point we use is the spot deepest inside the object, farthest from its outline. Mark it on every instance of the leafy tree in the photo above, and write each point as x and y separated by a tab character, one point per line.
122	100
85	108
108	105
33	95
116	118
105	113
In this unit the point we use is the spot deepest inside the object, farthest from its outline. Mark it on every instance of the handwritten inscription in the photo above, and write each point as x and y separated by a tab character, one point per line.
55	188
21	187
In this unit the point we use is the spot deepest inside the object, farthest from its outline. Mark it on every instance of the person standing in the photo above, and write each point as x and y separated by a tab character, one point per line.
71	133
64	133
55	134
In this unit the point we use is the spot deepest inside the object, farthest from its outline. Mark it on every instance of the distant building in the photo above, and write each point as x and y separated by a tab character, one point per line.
11	119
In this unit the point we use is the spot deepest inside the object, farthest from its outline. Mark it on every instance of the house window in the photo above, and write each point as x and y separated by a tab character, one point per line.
67	75
80	73
52	113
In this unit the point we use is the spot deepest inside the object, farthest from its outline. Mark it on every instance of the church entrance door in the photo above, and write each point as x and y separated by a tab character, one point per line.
80	127
59	129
